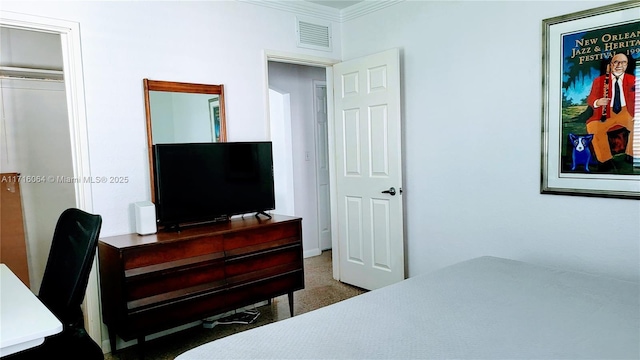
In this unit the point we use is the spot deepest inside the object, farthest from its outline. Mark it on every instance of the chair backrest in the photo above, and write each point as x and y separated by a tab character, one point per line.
70	259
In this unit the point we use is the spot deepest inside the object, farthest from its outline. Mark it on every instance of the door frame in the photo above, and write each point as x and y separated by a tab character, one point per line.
317	84
327	63
74	89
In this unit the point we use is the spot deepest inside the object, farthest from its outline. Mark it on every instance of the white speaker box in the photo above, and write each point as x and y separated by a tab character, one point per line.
145	217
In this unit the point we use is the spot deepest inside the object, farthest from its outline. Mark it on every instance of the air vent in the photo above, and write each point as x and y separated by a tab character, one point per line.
313	36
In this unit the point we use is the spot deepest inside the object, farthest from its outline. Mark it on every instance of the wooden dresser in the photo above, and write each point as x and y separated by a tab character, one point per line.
155	282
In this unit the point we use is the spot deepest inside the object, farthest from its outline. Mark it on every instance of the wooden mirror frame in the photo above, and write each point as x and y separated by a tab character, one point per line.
178	87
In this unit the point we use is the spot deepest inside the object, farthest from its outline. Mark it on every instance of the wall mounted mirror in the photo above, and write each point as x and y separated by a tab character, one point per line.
182	113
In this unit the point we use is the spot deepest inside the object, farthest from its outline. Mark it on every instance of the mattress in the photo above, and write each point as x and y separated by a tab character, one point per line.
484	308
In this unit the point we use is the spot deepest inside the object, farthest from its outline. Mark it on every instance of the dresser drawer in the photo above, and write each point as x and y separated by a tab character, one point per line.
162	315
171	279
171	251
264	288
274	257
287	231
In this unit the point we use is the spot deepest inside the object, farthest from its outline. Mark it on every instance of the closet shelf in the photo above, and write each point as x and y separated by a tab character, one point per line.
31	73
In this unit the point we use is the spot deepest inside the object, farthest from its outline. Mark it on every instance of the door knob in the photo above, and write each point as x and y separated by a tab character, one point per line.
391	191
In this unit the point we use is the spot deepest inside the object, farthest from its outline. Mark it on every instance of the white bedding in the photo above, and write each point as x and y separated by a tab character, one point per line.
485	308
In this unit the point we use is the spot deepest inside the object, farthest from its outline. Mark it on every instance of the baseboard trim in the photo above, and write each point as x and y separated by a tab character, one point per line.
311	253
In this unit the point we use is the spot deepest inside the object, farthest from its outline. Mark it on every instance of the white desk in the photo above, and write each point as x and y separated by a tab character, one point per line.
24	320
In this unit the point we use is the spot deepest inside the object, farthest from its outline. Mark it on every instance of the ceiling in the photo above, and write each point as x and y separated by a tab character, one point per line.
336	4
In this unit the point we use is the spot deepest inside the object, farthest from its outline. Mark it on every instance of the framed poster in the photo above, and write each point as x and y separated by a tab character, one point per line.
214	117
591	120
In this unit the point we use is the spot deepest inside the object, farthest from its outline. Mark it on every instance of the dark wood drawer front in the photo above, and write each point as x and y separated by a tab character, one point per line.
176	313
291	254
199	274
171	251
258	236
246	293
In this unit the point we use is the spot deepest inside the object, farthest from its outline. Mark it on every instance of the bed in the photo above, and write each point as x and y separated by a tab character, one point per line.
484	308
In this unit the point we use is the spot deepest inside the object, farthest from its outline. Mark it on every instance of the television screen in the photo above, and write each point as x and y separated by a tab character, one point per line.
199	182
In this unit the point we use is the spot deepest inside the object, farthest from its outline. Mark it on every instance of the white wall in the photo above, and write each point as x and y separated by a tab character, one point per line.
47	55
465	194
209	42
472	163
297	81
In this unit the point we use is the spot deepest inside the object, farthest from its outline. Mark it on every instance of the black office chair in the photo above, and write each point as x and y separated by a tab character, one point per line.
63	288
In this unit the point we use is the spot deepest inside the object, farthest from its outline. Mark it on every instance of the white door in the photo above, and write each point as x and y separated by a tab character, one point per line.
322	164
368	163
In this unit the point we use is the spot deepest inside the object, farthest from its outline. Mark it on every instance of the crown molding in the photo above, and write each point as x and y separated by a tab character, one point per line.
306	8
364	8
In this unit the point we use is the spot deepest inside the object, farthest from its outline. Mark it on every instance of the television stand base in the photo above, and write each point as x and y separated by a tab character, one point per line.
182	226
263	213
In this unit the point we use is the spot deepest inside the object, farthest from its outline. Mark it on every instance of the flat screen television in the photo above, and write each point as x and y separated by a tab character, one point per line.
201	182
